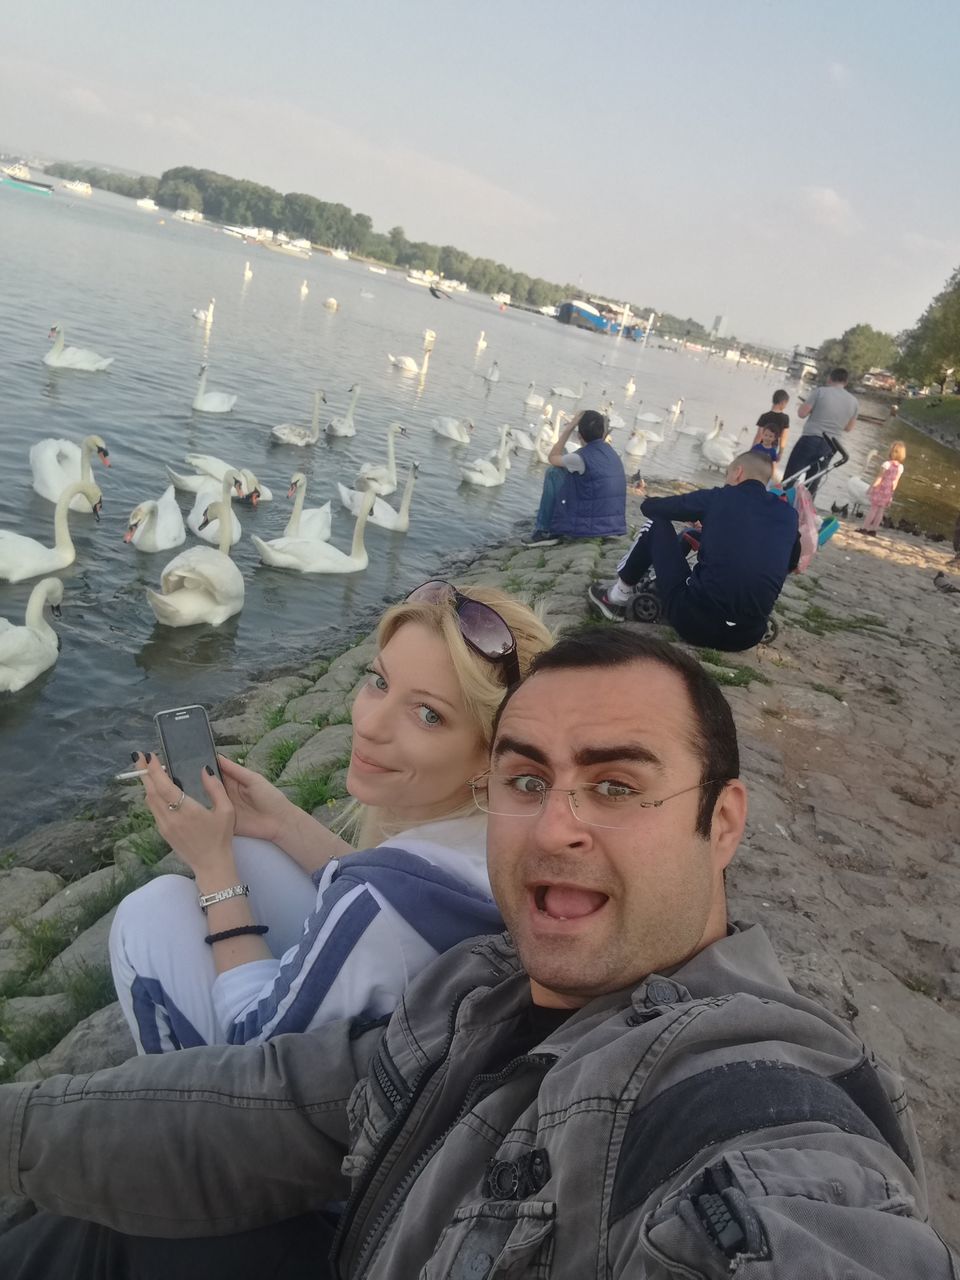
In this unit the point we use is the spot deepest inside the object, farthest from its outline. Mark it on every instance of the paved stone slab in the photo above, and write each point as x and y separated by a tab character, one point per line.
258	757
23	891
321	753
102	1040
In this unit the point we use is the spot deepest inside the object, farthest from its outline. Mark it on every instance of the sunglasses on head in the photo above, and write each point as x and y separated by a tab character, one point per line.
482	627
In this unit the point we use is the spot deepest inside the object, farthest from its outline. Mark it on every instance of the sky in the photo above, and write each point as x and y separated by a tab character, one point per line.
790	165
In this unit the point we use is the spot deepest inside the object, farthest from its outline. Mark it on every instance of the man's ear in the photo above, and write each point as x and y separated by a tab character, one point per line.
727	825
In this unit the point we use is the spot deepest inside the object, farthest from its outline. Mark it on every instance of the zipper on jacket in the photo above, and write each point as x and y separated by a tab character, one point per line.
386	1079
473	1095
393	1131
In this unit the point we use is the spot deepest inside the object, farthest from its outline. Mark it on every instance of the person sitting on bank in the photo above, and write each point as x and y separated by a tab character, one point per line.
749	542
778	419
827	410
584	492
624	1084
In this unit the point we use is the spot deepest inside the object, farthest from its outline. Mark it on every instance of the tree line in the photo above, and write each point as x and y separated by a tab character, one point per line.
930	351
240	202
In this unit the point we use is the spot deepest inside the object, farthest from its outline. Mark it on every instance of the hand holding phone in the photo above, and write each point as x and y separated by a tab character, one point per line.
188	746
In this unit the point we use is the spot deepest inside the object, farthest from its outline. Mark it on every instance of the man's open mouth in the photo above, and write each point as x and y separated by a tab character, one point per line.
566	901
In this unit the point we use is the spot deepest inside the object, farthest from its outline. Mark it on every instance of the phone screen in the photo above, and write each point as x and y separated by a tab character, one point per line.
188	745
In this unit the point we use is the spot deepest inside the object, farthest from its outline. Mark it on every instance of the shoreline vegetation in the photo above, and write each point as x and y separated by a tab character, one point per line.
849	858
237	201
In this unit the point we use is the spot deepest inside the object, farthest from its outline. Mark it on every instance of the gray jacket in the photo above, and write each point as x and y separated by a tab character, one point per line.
708	1123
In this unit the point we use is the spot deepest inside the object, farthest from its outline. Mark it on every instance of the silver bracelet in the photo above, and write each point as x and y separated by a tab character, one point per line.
235	891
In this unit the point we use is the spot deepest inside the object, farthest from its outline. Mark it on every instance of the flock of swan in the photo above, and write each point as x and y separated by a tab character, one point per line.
202	584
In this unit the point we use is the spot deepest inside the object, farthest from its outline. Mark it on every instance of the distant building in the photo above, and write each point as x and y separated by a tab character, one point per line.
803	363
720	326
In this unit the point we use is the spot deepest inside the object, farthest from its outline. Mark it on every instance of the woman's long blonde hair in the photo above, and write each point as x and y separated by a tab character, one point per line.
482	683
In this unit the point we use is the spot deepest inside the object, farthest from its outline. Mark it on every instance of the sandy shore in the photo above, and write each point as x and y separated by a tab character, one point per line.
850	749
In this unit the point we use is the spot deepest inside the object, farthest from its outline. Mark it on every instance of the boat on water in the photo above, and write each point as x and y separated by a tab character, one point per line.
77	187
185	215
18	175
151	206
341	254
378	271
288	247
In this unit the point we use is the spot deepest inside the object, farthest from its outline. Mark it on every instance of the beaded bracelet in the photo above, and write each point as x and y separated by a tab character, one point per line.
211	938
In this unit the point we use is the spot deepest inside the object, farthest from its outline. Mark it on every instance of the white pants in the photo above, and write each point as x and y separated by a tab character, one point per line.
157	941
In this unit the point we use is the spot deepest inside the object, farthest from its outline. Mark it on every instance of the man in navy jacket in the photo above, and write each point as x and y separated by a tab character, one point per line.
586	496
749	542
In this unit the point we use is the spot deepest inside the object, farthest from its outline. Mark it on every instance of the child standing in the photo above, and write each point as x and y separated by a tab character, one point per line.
881	491
767	443
777	419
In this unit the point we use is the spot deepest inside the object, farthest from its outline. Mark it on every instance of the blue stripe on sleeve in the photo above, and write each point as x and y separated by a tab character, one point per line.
323	969
441	907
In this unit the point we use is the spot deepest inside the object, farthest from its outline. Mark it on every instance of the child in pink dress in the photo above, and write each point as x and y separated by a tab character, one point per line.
880	494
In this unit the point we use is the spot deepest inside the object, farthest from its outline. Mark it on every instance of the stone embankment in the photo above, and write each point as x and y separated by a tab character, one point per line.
850	746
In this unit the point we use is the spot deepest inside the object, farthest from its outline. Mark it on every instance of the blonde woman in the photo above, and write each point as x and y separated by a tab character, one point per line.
304	930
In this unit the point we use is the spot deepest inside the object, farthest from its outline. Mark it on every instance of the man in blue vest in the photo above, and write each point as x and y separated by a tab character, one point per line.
586	495
749	542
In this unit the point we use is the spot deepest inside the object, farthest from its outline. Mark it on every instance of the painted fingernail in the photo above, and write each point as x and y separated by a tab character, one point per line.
148	756
208	769
134	756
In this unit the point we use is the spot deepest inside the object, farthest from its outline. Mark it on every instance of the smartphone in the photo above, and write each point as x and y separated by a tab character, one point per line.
187	742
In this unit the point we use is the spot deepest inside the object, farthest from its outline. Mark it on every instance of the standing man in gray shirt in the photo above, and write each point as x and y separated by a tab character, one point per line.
830	409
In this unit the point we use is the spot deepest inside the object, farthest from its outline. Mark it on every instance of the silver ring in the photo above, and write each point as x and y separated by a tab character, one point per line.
179	802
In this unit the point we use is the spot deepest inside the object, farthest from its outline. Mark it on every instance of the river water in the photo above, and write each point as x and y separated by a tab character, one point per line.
124	282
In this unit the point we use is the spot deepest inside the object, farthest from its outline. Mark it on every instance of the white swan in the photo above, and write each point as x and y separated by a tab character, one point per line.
344	426
27	651
718	450
382	514
567	393
331	304
156	526
247	271
309	556
206	526
406	364
57	463
484	473
304	289
290	433
531	399
457	429
314	522
22	558
676	408
637	445
201	584
493	373
630	387
208	467
205	314
857	486
79	358
482	341
647	416
211	401
382	480
524	440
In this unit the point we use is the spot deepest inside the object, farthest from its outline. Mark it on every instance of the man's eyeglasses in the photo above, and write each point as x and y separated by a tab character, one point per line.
608	804
482	627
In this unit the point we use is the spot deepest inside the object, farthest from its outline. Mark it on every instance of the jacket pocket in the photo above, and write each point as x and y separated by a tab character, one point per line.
496	1240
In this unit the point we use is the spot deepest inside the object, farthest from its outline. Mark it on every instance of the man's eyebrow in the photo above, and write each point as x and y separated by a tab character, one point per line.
623	751
585	756
503	745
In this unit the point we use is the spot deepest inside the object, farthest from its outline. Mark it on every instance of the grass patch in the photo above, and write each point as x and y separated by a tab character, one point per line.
137	819
921	984
819	622
41	941
149	846
830	690
274	718
88	989
932	411
310	790
279	756
730	674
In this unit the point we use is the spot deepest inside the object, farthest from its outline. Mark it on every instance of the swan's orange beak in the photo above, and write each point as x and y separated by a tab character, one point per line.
104	457
292	491
254	497
128	536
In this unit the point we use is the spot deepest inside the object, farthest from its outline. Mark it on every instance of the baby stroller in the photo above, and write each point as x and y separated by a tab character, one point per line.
645	604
